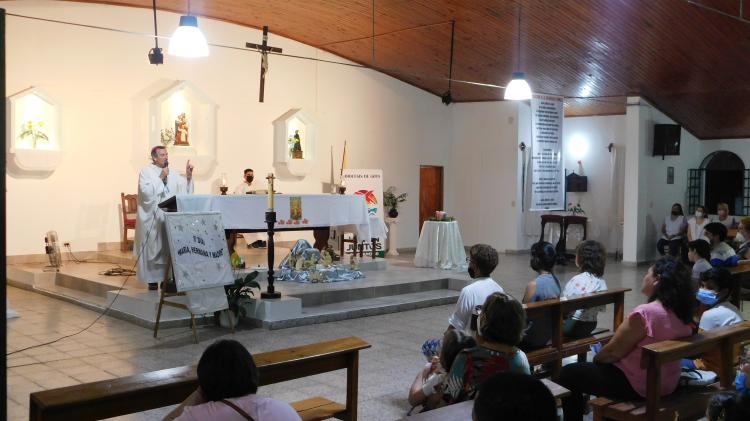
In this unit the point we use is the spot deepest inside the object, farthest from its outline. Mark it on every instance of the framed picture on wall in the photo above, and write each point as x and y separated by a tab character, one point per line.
670	175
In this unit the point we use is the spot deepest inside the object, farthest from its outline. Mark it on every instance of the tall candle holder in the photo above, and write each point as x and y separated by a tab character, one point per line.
224	188
270	292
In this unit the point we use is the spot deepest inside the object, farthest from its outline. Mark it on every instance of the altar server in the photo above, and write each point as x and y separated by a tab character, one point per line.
155	184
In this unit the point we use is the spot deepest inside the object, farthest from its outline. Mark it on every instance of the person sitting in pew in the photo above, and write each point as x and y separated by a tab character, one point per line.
616	371
426	388
743	232
228	381
499	331
544	287
714	292
699	251
728	406
590	259
722	254
514	396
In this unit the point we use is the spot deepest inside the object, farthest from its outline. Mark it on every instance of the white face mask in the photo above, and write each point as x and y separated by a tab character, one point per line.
698	214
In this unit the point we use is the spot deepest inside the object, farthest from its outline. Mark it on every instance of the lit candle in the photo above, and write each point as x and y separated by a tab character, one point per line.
270	190
223	179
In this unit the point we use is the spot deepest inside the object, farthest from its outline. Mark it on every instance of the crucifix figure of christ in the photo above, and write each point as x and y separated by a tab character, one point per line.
264	49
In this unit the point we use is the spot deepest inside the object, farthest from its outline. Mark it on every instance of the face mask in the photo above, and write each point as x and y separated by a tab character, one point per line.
739	383
249	178
707	297
472	273
698	214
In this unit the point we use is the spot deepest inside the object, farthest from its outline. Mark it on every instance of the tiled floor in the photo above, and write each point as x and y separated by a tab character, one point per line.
113	348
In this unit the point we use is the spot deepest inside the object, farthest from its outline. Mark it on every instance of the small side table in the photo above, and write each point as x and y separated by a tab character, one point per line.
392	235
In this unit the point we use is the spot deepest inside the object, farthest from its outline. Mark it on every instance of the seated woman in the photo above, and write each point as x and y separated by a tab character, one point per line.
429	380
743	232
590	259
672	231
616	371
697	224
722	216
544	287
228	380
722	254
499	330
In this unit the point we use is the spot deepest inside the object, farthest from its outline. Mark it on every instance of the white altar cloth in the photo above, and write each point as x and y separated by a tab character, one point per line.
440	246
248	212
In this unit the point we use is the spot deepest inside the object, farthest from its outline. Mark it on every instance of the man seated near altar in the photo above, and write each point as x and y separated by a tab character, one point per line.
156	183
246	187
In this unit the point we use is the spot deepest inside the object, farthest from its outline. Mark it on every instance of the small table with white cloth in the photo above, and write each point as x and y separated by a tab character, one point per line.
440	246
318	212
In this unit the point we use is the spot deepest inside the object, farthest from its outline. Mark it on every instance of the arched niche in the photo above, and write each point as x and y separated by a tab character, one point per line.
33	143
295	156
183	119
724	179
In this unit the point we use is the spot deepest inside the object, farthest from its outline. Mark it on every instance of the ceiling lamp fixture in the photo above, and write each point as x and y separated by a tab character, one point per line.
188	40
155	55
518	89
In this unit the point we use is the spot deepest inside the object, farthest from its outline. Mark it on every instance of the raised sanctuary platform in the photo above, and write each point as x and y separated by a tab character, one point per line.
390	285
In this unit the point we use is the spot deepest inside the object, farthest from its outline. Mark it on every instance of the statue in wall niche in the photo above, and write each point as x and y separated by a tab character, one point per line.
181	131
297	146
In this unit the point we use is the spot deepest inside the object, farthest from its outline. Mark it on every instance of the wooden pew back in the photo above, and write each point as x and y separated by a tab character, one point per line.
156	389
655	355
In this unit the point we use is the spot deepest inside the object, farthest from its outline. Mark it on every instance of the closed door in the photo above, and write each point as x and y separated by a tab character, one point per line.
430	192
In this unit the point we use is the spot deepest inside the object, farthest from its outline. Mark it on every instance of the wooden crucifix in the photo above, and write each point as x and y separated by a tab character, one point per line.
264	49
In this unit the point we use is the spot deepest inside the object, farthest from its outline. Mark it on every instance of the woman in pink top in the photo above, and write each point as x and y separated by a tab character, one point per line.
616	371
228	381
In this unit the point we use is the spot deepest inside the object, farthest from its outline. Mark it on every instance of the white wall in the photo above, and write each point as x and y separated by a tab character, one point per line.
102	81
484	173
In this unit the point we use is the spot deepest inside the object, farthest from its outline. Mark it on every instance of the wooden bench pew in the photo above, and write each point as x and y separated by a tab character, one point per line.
739	274
556	309
156	389
686	402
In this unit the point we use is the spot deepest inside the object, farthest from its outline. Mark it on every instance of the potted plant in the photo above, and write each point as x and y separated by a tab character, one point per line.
391	201
238	293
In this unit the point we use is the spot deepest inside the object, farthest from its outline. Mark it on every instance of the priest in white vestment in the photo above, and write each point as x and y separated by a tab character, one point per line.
156	183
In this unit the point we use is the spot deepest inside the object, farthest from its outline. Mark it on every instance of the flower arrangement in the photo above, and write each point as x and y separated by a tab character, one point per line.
575	210
34	130
167	137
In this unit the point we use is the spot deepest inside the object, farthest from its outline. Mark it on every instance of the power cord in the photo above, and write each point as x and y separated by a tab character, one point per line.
130	273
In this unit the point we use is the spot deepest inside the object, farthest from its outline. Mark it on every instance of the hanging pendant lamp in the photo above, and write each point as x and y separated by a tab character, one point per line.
188	40
518	89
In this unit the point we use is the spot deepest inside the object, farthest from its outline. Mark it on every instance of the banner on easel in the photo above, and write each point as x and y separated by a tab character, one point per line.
367	183
547	170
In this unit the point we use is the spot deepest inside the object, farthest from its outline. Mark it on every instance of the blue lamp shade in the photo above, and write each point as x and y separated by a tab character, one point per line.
188	40
518	89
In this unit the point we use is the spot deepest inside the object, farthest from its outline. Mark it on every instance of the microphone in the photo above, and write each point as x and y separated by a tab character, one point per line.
166	165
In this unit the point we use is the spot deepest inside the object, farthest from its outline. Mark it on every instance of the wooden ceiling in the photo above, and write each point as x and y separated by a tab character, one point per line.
691	62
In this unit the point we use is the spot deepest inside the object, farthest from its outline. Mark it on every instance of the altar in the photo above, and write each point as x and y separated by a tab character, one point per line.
246	213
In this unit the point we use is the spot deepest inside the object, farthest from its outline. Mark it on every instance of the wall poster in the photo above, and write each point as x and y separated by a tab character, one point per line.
547	171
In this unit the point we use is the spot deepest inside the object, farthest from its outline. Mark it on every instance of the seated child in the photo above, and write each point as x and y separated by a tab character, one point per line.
699	251
722	254
590	259
429	380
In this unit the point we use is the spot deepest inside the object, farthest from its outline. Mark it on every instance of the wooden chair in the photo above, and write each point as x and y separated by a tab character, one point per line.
156	389
129	210
686	402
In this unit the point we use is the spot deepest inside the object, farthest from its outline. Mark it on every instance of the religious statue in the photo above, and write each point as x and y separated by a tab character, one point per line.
181	131
297	146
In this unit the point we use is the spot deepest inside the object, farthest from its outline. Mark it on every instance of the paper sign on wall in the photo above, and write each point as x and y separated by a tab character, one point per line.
547	171
198	247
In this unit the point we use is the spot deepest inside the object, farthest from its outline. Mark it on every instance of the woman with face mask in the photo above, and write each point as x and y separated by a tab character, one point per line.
672	231
713	295
696	224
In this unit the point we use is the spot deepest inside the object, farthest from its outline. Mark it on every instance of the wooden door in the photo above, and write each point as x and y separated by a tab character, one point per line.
430	192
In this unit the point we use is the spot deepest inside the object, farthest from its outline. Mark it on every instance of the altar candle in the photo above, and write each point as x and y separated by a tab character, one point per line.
270	190
223	179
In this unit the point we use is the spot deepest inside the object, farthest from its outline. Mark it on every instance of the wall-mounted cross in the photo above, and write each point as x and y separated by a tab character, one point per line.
264	49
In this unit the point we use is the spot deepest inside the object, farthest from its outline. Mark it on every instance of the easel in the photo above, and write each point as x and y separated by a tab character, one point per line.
162	302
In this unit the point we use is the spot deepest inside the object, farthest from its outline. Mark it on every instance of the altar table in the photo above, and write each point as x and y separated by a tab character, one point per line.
440	246
248	212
